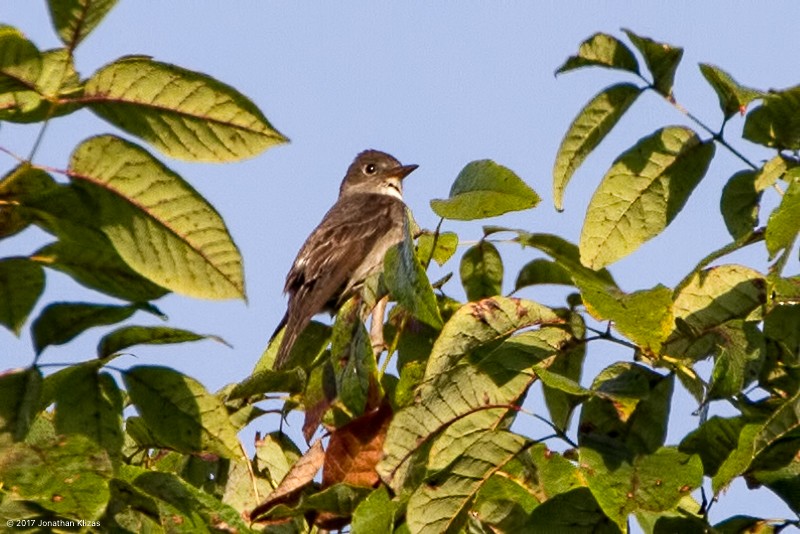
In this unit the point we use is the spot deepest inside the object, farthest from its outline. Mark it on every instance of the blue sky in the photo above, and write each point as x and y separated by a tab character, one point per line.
436	84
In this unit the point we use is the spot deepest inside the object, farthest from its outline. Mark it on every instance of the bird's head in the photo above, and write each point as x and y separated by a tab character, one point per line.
375	172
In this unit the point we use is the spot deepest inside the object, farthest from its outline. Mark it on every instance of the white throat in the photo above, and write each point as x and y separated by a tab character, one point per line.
393	189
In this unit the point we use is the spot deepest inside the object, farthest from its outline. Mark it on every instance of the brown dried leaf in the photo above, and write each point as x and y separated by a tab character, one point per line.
355	449
299	476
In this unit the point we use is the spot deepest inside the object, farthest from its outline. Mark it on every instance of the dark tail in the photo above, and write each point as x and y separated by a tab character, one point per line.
289	337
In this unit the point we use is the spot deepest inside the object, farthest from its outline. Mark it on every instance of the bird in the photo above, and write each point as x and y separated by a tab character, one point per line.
347	246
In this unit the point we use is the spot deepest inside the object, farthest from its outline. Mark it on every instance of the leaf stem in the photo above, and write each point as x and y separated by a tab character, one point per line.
607	336
716	136
559	433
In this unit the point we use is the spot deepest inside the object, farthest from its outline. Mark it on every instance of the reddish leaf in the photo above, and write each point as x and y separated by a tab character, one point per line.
355	449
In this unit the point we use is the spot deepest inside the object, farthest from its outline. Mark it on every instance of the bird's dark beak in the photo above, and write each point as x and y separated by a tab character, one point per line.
402	172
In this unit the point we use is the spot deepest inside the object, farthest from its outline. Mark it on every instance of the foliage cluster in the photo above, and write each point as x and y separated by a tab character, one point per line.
428	448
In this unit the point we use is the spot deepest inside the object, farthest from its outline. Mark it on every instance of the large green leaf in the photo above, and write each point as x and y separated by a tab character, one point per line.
376	514
482	271
602	50
652	482
644	317
441	505
485	189
21	285
185	114
709	299
628	413
479	323
542	271
407	281
587	130
20	61
19	403
159	224
733	97
128	336
642	193
60	322
784	223
740	203
773	123
90	403
772	171
180	412
181	506
575	511
91	260
69	476
75	19
740	348
713	441
48	95
462	401
662	59
565	254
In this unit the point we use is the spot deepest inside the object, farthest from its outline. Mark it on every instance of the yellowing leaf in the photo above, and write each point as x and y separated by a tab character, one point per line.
158	223
642	193
185	114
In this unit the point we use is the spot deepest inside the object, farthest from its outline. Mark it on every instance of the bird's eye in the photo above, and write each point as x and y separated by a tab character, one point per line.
370	168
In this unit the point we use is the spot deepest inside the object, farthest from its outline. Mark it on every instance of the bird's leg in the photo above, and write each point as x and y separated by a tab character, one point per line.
376	326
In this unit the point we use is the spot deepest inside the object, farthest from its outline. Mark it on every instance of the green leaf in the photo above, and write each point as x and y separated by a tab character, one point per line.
180	412
587	130
542	271
562	390
68	477
628	414
740	349
719	294
75	19
19	403
460	402
733	97
504	502
375	514
445	243
565	254
182	506
740	203
642	193
784	223
662	59
408	283
442	504
159	224
602	50
60	322
98	267
785	420
772	171
480	323
90	403
738	460
784	482
482	271
644	317
20	61
21	285
128	336
575	511
357	371
186	115
713	441
47	96
773	123
485	189
653	482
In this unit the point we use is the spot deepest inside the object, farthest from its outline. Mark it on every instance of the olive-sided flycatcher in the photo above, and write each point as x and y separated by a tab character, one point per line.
348	245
